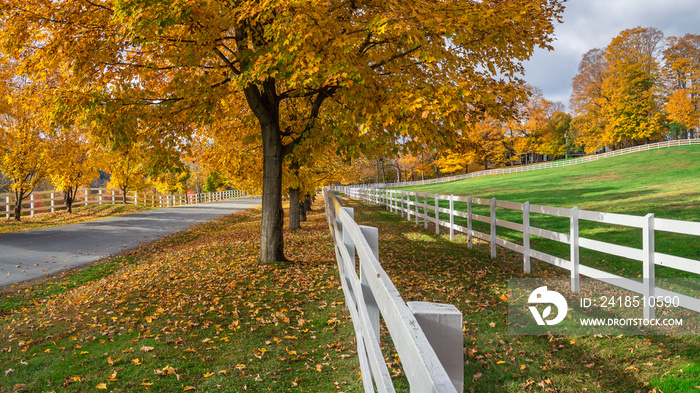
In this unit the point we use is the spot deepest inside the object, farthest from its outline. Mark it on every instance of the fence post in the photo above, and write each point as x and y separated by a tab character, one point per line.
648	271
7	207
87	195
52	203
437	214
112	193
574	250
442	325
99	191
493	227
401	203
425	210
31	205
417	217
347	242
372	236
469	222
452	217
526	237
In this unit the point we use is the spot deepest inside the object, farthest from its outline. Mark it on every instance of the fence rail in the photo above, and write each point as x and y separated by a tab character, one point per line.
407	204
534	167
427	336
45	201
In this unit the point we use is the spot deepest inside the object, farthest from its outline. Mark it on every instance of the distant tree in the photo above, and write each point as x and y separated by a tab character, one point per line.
682	68
127	168
24	145
214	182
74	160
588	100
617	92
488	142
682	111
23	159
555	139
633	85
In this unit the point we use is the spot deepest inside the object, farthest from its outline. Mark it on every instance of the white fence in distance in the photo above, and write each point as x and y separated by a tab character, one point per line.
51	201
407	204
535	167
427	336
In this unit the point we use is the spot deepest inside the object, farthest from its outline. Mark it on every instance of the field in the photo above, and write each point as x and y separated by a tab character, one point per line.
664	182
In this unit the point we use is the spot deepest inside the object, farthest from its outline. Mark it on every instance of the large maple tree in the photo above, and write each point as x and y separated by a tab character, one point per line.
375	71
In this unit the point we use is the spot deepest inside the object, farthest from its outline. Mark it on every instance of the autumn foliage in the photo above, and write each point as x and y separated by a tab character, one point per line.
294	79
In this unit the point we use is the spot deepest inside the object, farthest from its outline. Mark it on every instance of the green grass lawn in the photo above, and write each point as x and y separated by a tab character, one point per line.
665	182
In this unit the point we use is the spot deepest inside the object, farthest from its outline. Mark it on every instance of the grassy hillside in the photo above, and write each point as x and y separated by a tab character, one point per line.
665	182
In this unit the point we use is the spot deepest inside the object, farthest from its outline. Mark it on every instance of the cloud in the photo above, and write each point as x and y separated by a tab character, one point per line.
589	24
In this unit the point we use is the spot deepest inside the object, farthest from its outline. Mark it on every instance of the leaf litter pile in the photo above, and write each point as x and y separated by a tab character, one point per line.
197	312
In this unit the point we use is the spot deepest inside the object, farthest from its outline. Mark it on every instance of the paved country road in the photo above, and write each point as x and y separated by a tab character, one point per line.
32	254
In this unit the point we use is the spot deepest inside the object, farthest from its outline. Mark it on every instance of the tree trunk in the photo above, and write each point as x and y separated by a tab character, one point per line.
123	195
69	203
302	209
308	201
294	209
69	198
383	171
272	221
376	167
18	204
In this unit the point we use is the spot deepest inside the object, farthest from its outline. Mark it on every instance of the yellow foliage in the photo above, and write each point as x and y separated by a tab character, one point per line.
681	109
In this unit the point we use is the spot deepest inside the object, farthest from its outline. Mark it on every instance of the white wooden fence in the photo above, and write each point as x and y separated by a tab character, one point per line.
427	336
51	201
407	204
535	167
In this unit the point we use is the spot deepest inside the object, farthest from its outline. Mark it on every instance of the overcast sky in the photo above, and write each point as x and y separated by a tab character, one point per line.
589	24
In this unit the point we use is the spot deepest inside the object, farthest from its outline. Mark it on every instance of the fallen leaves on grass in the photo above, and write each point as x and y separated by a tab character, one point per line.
197	281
